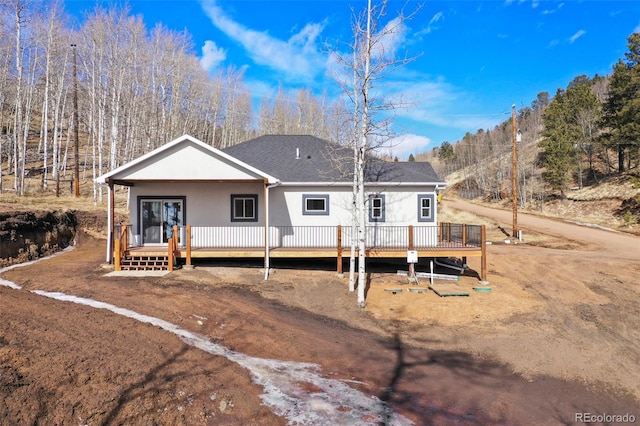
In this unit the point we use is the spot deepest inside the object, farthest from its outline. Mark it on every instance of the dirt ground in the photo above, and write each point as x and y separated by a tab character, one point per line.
557	336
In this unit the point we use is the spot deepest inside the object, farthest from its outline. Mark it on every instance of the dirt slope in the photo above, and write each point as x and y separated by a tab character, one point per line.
565	321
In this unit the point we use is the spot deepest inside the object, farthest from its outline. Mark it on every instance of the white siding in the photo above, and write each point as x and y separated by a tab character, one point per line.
401	206
206	204
209	205
185	162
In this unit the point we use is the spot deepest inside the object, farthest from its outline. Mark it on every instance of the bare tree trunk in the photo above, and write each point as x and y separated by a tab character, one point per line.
27	125
17	126
362	229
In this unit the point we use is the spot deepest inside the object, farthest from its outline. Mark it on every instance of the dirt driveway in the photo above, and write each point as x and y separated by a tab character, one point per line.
557	335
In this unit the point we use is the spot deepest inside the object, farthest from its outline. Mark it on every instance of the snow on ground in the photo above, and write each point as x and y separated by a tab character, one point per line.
283	381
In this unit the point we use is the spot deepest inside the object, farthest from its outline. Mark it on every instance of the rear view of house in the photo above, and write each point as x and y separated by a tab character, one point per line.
274	196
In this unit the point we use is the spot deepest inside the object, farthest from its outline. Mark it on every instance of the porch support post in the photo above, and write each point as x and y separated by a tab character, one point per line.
267	243
110	220
483	257
411	240
188	245
170	253
339	260
116	263
464	235
412	266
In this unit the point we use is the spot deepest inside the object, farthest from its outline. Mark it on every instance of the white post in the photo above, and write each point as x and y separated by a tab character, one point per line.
267	234
431	275
110	224
267	241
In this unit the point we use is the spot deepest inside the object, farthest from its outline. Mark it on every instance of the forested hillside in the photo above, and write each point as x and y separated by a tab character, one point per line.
137	88
587	133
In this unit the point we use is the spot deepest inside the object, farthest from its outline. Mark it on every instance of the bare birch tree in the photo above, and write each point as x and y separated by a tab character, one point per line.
372	59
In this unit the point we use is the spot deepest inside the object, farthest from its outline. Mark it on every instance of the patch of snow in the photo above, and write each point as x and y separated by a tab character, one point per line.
336	403
591	225
15	286
10	284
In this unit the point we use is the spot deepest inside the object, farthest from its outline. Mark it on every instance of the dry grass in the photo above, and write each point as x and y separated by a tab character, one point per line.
620	187
597	204
38	198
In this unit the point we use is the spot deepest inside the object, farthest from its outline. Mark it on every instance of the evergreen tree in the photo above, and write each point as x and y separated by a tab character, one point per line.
569	123
621	110
446	153
412	158
557	141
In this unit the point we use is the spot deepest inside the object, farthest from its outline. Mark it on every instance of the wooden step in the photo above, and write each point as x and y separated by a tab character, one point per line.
144	263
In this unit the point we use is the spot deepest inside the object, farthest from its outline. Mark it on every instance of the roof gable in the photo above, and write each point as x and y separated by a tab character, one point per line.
184	159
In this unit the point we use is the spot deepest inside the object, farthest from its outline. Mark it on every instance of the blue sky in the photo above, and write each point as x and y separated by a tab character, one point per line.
474	58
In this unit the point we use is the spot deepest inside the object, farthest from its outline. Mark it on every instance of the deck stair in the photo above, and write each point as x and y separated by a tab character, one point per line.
139	262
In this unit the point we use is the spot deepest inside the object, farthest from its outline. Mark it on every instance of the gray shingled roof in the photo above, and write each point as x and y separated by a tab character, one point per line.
321	161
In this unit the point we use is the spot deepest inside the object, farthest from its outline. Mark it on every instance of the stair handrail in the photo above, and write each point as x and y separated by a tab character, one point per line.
120	246
173	247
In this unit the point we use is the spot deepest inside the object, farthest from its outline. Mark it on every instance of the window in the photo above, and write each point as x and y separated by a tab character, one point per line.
244	208
376	208
425	207
316	204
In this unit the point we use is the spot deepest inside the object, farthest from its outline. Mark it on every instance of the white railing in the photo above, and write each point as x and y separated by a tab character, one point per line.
379	237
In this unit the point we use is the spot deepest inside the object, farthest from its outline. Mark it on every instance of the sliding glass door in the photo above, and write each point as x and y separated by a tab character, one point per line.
158	217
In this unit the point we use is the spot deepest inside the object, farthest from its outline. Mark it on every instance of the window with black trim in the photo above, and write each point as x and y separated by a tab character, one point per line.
244	208
376	208
315	204
425	207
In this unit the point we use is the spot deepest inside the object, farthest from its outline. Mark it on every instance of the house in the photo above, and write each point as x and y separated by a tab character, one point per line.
273	196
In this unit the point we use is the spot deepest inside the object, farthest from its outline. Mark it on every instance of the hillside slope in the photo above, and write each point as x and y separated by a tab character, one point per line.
614	202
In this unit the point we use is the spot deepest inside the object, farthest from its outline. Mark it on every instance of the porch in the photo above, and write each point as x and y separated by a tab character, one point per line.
188	242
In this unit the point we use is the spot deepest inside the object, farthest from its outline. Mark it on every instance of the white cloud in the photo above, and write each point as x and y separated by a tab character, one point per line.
437	17
551	11
403	145
432	25
390	39
577	36
298	57
434	105
212	56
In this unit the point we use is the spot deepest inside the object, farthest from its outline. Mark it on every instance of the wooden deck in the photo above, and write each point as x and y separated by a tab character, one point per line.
448	245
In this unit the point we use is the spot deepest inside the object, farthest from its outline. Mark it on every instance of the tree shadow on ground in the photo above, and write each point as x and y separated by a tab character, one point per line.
434	386
156	376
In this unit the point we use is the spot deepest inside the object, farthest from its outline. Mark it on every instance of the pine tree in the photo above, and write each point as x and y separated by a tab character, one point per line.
621	111
557	141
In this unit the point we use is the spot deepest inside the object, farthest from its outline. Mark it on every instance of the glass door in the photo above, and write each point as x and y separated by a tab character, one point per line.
172	216
158	217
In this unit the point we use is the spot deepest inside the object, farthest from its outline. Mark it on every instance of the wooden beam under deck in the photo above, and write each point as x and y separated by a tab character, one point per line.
200	253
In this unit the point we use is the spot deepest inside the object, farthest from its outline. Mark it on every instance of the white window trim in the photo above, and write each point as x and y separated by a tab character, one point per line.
383	208
307	212
431	198
254	198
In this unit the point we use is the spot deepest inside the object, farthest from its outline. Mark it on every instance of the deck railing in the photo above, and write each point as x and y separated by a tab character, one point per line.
377	237
449	235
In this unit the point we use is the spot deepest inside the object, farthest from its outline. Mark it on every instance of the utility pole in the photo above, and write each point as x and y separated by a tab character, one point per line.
75	124
514	172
